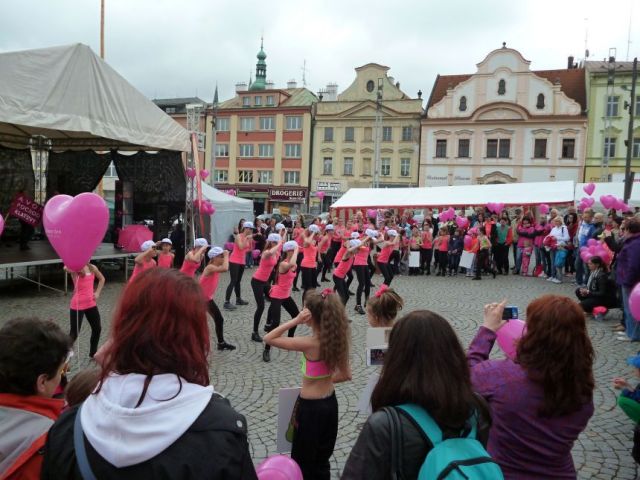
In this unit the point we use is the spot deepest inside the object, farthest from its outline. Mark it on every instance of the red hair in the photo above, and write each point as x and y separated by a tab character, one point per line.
160	326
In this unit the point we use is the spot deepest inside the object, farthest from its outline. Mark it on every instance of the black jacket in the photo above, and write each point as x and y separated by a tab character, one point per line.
603	288
214	447
370	458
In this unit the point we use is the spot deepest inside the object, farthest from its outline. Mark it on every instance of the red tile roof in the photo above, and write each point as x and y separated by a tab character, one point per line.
572	83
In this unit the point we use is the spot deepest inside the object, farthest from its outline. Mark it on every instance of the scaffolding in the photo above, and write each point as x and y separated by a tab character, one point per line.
194	112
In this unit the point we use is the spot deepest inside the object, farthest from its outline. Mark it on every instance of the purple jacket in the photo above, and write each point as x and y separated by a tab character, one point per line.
526	446
628	262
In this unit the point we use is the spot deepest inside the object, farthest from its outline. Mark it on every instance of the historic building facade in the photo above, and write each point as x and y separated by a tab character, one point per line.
608	89
505	123
344	136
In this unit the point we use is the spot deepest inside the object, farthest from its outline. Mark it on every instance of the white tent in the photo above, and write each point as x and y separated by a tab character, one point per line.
552	193
229	211
71	96
615	189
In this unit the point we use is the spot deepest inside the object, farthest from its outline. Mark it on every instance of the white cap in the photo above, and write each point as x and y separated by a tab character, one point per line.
247	225
200	242
290	245
329	226
166	240
371	233
273	237
355	235
354	243
279	226
214	252
392	233
147	245
313	228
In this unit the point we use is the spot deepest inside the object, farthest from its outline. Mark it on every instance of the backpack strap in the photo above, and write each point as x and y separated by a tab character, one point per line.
81	453
428	424
396	444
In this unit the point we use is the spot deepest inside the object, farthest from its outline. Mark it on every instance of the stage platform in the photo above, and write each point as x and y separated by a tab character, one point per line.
40	253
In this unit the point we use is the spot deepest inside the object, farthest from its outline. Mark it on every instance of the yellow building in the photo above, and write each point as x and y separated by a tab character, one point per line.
344	134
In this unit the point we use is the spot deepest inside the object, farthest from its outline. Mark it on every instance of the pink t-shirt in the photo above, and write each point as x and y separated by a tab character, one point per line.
238	255
282	288
209	284
83	292
310	253
298	235
266	266
189	267
165	260
427	240
343	267
324	244
139	268
362	255
385	253
339	254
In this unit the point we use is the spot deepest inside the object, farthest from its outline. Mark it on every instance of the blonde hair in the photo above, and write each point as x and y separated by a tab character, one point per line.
385	307
331	321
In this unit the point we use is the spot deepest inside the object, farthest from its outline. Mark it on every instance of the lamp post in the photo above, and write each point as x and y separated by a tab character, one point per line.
378	132
628	176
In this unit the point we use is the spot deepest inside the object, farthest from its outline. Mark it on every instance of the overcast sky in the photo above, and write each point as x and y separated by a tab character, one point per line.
169	48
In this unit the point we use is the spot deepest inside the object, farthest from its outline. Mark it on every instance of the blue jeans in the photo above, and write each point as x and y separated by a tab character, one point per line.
518	260
631	324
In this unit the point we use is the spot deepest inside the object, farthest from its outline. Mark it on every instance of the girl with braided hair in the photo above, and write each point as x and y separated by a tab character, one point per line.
324	362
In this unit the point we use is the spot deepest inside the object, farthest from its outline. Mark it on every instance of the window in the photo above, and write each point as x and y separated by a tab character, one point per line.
245	176
111	171
170	110
328	134
540	102
246	150
348	166
269	100
267	123
327	165
385	167
257	101
265	176
222	124
221	176
441	148
568	148
246	101
635	152
370	86
292	150
348	134
540	148
265	150
504	150
294	123
405	167
612	105
246	124
463	104
407	134
609	147
502	87
498	148
291	178
222	149
463	147
368	134
366	167
636	108
386	134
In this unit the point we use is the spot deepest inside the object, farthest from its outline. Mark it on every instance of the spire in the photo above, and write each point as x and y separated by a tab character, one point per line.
261	69
215	97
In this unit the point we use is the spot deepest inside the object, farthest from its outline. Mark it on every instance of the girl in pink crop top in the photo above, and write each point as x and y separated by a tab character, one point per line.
144	261
83	303
193	260
315	417
165	257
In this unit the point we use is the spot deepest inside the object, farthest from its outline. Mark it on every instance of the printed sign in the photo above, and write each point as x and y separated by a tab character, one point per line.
414	259
364	402
27	210
286	401
287	194
466	259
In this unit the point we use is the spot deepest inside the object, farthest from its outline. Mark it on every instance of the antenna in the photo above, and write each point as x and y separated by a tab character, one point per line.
586	38
304	73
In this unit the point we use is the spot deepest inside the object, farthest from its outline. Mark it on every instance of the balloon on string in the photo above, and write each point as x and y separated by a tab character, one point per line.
543	208
607	201
589	188
320	195
204	174
634	302
1	224
467	241
191	173
588	201
372	213
75	226
462	222
279	467
508	336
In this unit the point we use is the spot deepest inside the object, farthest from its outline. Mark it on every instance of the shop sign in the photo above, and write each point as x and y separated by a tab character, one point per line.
329	186
287	194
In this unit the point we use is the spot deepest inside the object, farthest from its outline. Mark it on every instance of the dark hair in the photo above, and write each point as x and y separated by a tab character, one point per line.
30	347
482	230
81	386
633	225
556	353
385	306
596	261
426	365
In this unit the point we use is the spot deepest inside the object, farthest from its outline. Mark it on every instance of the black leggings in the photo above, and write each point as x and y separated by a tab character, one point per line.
364	283
260	292
387	272
298	262
426	255
93	317
235	271
395	259
214	311
314	438
273	315
326	264
341	289
442	261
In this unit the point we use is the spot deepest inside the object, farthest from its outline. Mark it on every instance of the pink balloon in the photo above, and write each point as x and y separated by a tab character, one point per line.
588	201
75	226
508	336
589	188
204	174
279	467
491	206
256	253
229	246
592	242
1	224
473	230
607	201
371	213
320	195
467	241
462	222
543	208
634	302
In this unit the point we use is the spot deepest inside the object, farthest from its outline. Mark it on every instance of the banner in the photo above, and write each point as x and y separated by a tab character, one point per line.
26	210
466	259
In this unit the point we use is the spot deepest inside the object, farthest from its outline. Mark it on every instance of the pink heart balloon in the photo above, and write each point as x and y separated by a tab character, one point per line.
371	213
320	195
499	207
191	173
1	224
508	336
589	201
589	188
634	302
544	208
204	174
607	201
75	226
462	222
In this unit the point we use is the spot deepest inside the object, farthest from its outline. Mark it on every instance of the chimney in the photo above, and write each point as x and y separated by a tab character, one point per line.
570	64
241	87
292	83
398	85
269	85
392	80
330	93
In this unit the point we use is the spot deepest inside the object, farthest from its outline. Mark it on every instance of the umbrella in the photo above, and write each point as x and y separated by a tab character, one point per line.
132	236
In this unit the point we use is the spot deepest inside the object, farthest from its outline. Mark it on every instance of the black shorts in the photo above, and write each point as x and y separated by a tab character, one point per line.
309	277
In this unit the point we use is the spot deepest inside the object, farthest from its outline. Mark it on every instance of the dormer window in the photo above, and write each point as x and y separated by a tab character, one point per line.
502	87
246	101
540	102
370	86
463	104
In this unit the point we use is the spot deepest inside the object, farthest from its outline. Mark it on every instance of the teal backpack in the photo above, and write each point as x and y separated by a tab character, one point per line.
452	459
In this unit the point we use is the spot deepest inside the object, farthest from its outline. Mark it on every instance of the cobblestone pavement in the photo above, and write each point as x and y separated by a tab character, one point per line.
602	451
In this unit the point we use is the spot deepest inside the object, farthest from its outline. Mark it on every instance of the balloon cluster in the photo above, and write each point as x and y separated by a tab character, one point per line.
207	208
448	215
543	208
462	222
191	172
595	249
372	213
611	202
495	207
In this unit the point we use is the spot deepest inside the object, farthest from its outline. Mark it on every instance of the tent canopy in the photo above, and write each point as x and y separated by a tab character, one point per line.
229	211
75	99
552	193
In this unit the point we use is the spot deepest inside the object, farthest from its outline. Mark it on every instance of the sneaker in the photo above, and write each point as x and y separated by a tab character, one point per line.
255	336
225	346
550	279
624	339
266	356
555	280
239	301
542	275
360	310
229	306
267	327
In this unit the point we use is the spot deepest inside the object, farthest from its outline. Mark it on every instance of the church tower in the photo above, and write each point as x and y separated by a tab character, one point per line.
261	70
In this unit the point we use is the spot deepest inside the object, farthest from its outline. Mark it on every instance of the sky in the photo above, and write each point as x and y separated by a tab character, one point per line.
183	48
